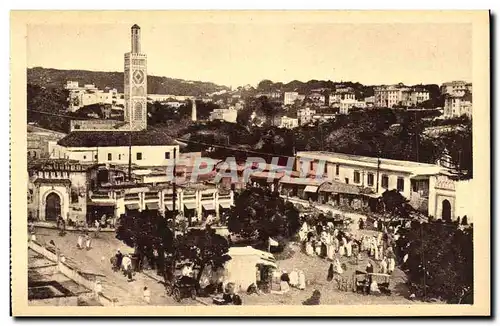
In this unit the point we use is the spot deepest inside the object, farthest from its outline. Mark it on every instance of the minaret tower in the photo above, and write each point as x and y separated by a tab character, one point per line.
135	83
193	110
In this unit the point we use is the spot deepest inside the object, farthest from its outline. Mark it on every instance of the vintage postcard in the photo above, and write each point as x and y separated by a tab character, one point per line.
258	163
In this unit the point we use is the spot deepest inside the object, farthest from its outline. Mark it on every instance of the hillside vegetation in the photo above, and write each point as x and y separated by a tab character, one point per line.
55	78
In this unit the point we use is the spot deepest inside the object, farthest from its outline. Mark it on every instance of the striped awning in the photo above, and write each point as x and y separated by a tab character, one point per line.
132	207
152	206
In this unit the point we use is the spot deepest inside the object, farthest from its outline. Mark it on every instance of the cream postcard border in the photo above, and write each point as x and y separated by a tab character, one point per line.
481	160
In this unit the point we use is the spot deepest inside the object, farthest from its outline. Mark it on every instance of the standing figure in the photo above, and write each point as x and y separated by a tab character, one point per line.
88	242
302	280
348	248
79	242
146	295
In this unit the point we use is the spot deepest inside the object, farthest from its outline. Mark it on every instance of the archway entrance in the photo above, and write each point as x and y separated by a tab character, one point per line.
52	207
446	213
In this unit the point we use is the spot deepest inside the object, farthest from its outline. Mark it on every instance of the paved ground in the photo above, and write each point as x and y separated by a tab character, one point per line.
96	260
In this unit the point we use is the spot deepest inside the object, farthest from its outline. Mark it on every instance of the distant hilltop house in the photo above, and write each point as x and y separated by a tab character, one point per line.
399	95
341	94
458	104
89	94
289	98
457	86
224	114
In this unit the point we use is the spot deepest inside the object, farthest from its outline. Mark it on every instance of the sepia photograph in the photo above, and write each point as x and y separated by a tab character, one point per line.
315	163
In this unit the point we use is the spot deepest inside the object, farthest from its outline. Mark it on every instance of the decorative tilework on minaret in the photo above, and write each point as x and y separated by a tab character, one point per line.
135	83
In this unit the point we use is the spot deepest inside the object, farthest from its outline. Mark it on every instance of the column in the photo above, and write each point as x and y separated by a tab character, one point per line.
216	201
199	205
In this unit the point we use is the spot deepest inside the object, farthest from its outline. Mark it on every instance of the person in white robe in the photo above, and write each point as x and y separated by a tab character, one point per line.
79	242
337	267
318	248
294	278
374	287
336	244
302	280
126	262
88	242
309	248
375	224
348	248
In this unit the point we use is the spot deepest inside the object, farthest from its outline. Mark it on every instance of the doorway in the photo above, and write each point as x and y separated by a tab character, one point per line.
446	213
52	207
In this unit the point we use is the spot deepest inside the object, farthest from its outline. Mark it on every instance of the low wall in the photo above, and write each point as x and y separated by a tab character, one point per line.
60	301
70	272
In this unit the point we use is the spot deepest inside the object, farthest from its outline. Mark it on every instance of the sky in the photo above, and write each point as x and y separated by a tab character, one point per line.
239	54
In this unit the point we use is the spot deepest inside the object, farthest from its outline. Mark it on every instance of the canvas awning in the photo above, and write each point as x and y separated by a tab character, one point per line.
132	206
169	206
208	206
190	205
152	206
339	188
225	205
311	189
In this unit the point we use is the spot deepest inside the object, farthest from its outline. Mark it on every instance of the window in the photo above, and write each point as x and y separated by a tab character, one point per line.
119	157
138	156
84	157
385	181
347	180
109	156
311	167
356	177
326	168
167	155
370	179
337	169
401	184
95	157
34	154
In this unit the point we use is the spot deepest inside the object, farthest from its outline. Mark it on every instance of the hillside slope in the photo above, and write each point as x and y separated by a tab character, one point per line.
55	78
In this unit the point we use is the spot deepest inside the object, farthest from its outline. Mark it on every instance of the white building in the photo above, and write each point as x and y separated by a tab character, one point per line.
290	98
458	104
89	94
287	122
341	94
457	86
148	148
347	104
228	114
427	186
305	115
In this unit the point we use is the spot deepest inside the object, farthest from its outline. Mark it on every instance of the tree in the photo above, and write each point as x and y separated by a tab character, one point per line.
202	247
396	204
440	261
259	214
146	232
